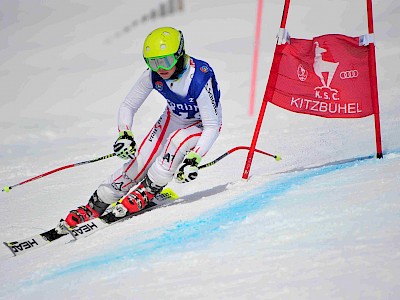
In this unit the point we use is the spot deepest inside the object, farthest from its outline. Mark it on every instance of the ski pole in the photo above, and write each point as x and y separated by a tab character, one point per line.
8	188
277	157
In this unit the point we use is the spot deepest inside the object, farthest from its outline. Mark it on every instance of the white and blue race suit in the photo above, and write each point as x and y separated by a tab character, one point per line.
191	120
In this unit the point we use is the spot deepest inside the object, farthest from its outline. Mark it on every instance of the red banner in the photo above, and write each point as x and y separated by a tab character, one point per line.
327	76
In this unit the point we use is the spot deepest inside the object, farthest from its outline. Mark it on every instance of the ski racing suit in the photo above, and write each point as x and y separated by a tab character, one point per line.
191	120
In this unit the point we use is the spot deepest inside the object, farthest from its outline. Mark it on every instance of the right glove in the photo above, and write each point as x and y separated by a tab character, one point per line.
125	145
188	169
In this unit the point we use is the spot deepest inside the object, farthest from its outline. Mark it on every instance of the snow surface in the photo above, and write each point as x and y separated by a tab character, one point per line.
321	224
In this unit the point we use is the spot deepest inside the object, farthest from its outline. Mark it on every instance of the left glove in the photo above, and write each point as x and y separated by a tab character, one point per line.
125	145
188	169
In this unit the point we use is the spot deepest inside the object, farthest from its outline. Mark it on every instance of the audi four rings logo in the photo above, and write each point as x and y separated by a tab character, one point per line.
348	74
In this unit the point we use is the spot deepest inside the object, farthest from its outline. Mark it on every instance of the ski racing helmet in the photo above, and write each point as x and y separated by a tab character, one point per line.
162	48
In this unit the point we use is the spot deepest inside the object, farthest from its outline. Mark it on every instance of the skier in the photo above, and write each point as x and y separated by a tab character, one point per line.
175	145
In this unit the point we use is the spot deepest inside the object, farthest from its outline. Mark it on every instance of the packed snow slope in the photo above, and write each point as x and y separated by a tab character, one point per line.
323	223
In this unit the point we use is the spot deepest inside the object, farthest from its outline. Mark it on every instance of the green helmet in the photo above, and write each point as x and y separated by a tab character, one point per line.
163	42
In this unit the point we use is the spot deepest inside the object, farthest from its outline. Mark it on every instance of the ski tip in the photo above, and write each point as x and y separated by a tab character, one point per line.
9	246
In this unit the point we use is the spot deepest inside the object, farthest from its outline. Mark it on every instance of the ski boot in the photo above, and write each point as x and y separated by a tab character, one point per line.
93	209
135	201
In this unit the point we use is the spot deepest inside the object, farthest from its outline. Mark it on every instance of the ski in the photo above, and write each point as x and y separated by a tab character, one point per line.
31	243
85	229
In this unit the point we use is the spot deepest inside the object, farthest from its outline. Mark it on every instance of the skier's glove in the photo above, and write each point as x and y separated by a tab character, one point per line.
188	169
125	145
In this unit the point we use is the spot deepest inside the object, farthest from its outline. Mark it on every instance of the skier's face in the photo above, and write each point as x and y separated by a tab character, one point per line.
166	74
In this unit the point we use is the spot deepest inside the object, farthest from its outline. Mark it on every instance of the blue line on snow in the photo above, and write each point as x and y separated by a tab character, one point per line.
201	229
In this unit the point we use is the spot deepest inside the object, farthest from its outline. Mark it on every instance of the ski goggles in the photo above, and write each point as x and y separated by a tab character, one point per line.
166	62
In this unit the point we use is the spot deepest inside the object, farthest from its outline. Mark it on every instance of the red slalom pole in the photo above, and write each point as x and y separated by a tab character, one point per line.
374	82
255	57
249	159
